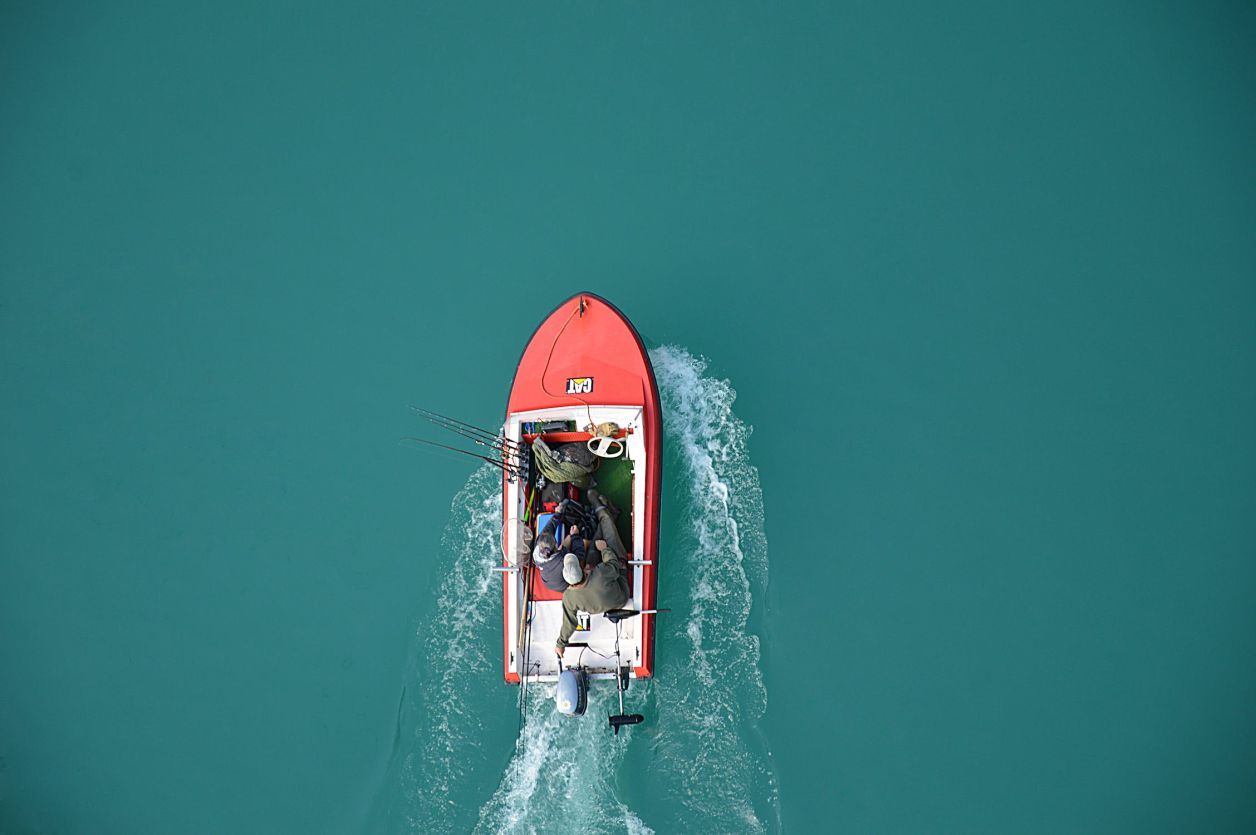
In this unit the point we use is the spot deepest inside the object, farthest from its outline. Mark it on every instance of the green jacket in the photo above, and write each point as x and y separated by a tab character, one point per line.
558	471
606	588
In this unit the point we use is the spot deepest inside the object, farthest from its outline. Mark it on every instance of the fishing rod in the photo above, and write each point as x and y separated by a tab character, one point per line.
525	625
507	448
527	668
509	469
496	445
480	436
451	424
524	647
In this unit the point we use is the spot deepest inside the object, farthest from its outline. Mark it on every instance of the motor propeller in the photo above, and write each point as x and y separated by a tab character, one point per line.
615	616
619	721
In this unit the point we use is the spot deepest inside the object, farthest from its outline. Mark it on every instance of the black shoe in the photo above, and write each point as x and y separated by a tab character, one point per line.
597	500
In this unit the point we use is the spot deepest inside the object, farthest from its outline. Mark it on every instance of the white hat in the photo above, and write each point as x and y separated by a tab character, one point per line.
572	572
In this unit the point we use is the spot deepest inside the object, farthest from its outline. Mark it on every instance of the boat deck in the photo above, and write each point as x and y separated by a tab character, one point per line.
531	654
614	481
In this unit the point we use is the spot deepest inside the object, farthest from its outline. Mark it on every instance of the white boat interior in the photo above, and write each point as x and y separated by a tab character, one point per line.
532	656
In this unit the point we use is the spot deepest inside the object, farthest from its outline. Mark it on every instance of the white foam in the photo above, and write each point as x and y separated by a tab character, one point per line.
709	766
450	738
724	775
561	778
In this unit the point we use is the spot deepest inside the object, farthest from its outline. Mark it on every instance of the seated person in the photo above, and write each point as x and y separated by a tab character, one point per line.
598	589
549	555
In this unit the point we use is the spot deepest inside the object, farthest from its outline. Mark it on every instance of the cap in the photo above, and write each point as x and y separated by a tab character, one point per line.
572	572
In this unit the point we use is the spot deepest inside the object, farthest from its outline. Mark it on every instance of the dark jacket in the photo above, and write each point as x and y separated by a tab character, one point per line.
552	567
605	589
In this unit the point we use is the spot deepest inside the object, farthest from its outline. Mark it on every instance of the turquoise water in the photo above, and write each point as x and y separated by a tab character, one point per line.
952	308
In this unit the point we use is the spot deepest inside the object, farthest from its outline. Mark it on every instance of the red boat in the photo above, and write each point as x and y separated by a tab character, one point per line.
583	376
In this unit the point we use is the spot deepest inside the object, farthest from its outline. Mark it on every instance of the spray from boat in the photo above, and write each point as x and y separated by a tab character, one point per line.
714	761
701	759
563	775
440	748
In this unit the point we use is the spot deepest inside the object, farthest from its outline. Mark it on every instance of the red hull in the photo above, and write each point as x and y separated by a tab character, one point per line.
602	344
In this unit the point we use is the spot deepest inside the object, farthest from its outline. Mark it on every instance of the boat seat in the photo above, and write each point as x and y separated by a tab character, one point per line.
542	519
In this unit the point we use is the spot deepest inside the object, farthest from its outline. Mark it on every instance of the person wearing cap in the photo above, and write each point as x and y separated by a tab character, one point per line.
598	589
549	555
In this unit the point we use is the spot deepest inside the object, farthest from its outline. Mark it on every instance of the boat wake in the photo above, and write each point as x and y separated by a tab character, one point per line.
713	762
439	749
562	776
700	762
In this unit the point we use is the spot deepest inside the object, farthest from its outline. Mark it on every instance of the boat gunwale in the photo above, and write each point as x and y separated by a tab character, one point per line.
652	441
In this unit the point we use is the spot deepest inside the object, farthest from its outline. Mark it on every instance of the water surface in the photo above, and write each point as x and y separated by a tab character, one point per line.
980	278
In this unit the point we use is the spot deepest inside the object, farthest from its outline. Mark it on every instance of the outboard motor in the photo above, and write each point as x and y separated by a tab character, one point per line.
572	693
